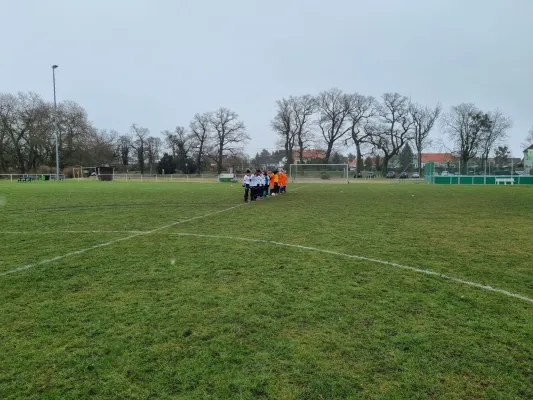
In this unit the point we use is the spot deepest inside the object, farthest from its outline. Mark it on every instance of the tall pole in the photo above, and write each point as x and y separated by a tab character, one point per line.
55	122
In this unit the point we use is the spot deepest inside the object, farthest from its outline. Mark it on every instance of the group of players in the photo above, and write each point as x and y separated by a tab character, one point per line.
263	184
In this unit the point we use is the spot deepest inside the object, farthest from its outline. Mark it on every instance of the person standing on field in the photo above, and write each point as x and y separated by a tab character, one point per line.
255	186
246	185
266	177
282	181
276	182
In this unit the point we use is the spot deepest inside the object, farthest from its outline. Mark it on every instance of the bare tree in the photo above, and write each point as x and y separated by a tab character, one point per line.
183	142
170	142
26	125
38	138
363	109
424	119
74	129
153	148
392	128
14	129
229	134
100	146
138	143
123	146
201	132
8	122
466	126
180	142
303	108
334	107
172	139
282	124
4	142
529	139
27	134
498	131
292	123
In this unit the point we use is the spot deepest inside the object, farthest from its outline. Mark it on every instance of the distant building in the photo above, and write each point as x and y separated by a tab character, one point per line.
440	159
309	154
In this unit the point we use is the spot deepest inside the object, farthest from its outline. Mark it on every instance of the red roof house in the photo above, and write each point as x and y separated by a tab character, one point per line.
310	154
438	158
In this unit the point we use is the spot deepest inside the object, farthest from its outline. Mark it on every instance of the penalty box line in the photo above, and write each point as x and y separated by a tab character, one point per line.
111	242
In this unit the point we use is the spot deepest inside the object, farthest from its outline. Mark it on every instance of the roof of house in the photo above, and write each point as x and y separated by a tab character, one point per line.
528	148
426	157
436	157
309	154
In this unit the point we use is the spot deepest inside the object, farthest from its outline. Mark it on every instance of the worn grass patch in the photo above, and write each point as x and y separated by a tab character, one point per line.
163	316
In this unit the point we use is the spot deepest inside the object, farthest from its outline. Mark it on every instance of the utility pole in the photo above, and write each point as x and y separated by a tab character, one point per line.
55	122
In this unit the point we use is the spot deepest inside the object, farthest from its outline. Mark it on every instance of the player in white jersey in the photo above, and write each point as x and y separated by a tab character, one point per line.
246	181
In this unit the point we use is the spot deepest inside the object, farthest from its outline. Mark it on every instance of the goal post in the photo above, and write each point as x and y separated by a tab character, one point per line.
318	173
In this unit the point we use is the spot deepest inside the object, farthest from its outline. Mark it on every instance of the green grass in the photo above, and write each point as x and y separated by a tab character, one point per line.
164	316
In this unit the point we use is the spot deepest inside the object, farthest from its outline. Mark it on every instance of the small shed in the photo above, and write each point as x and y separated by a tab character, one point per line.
105	173
227	178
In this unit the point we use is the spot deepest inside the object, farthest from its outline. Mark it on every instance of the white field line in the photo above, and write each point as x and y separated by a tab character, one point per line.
296	188
58	232
111	242
73	253
86	232
372	260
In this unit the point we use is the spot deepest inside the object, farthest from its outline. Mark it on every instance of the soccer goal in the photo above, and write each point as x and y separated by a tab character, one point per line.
318	173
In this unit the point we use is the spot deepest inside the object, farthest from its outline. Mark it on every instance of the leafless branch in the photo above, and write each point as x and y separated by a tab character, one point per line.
230	135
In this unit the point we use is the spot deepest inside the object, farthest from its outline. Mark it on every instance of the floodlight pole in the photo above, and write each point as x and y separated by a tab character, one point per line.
55	122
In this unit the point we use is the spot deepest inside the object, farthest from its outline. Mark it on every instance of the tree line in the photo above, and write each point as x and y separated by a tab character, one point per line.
28	125
212	137
27	134
333	120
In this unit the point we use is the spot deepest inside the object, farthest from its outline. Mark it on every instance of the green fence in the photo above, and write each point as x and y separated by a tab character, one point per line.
430	176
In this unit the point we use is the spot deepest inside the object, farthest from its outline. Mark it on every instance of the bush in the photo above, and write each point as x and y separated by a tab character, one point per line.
324	175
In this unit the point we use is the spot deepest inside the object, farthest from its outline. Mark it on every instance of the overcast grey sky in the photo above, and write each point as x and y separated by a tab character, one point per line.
158	62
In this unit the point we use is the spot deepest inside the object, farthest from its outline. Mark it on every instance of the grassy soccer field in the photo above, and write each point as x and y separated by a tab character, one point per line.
179	291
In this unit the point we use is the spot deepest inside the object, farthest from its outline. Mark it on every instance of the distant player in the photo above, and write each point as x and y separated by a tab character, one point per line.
255	183
271	183
246	181
266	177
276	182
282	181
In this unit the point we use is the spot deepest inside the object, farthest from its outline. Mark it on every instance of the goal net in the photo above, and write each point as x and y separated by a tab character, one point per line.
318	173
